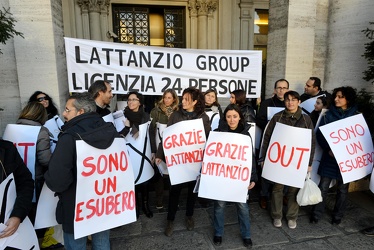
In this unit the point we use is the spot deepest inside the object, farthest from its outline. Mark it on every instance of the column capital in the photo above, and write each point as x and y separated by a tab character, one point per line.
205	7
93	5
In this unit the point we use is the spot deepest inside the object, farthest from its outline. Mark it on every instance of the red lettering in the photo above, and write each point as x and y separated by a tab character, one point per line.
78	211
26	145
87	164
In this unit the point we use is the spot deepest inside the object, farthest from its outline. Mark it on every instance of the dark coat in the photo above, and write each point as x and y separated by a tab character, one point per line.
102	111
13	163
183	115
296	120
248	112
328	166
223	127
262	114
61	176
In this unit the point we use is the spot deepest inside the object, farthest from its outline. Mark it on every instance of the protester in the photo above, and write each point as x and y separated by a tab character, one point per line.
12	163
233	121
238	97
344	106
101	91
322	102
211	102
160	114
313	88
280	87
82	123
192	108
47	102
34	114
136	116
291	116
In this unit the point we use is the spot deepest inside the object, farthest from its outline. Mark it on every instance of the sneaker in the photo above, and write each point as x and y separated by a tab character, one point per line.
292	224
369	231
247	243
169	228
217	240
277	223
190	223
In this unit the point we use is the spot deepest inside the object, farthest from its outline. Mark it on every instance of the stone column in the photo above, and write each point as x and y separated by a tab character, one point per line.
246	24
85	19
202	27
193	23
104	10
291	39
212	25
94	9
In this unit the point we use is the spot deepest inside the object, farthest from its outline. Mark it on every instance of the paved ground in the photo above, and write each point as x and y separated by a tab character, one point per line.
148	233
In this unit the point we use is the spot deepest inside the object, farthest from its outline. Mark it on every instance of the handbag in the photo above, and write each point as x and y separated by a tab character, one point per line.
310	194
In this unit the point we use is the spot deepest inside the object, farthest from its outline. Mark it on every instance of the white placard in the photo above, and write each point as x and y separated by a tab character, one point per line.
183	145
308	105
227	163
351	143
46	210
54	126
273	110
287	157
139	150
105	195
215	122
151	70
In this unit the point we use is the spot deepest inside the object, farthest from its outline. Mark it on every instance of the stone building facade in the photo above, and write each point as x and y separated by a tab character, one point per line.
306	38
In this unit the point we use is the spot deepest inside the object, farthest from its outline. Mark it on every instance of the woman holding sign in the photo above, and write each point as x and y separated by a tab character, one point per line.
192	108
292	116
233	122
135	114
160	116
344	106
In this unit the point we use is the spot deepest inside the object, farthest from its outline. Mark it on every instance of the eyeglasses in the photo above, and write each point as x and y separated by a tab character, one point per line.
44	98
68	110
282	88
132	100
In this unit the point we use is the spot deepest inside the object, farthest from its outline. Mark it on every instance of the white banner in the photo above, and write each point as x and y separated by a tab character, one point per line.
287	157
227	163
105	195
24	138
24	237
151	70
351	143
183	145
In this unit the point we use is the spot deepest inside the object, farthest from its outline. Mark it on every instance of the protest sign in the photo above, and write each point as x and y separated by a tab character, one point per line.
183	145
272	111
24	237
151	70
139	150
287	157
351	143
159	134
24	137
105	196
54	126
226	168
46	209
308	105
213	118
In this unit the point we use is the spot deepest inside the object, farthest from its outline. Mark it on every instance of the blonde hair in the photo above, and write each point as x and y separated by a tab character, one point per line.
34	111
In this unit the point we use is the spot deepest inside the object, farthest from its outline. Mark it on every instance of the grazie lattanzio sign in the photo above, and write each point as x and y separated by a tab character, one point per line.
151	70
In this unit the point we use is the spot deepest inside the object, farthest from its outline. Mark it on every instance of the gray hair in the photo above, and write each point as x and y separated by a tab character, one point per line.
83	101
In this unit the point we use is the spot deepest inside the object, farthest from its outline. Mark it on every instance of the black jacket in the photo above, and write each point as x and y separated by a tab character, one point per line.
13	163
262	114
61	176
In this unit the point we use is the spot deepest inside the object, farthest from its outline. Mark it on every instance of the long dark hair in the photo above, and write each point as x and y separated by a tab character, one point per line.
51	109
196	95
235	108
348	92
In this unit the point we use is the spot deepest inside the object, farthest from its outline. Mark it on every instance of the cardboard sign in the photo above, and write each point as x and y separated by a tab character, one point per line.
287	157
183	145
46	209
25	236
226	168
140	153
54	126
351	143
159	134
308	105
151	70
24	138
105	195
213	118
272	111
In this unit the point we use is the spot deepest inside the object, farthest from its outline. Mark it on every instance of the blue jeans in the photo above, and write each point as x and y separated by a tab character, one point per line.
100	241
243	218
341	199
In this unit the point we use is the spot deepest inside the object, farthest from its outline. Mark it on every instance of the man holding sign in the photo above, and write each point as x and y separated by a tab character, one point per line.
82	124
344	106
287	161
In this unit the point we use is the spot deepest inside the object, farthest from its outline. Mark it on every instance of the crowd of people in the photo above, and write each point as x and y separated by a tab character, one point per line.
83	121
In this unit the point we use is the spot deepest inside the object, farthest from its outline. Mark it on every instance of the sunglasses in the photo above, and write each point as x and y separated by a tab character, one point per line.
40	99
